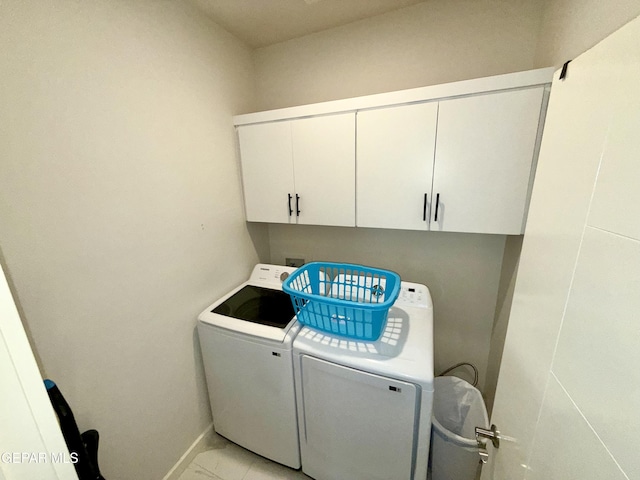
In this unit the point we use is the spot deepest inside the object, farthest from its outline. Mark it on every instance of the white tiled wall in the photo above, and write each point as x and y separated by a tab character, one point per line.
598	352
597	360
569	388
570	449
559	208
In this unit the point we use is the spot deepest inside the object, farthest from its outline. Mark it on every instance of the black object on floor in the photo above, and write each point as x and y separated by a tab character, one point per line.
84	447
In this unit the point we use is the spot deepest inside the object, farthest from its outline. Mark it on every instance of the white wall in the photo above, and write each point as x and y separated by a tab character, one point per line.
433	42
430	43
121	209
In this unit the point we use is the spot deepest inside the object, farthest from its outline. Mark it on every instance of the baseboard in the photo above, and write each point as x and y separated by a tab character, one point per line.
201	444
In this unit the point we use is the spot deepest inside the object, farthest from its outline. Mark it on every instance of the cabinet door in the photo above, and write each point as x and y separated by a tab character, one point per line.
395	166
484	153
324	166
267	171
356	425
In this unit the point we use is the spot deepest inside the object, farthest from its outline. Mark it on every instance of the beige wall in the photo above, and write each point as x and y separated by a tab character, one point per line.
462	271
120	204
433	42
429	43
569	27
513	246
121	208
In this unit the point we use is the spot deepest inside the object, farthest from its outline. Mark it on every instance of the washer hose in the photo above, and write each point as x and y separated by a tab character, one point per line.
475	371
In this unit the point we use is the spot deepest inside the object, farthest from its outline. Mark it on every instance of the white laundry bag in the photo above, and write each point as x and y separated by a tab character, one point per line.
458	407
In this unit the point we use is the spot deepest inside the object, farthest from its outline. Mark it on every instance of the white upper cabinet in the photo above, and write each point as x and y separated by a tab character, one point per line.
456	157
267	171
395	165
460	165
325	171
300	171
483	163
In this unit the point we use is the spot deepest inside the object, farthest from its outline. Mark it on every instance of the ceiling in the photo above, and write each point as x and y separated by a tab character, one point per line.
260	23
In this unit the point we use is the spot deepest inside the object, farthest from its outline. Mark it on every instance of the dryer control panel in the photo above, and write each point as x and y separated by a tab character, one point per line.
414	294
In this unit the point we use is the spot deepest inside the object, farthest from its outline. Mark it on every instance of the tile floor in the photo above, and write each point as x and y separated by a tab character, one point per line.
227	461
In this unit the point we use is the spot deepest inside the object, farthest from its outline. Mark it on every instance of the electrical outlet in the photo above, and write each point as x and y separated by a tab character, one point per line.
294	262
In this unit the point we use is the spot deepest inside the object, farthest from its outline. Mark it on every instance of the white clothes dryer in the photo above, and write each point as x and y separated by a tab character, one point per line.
246	339
365	408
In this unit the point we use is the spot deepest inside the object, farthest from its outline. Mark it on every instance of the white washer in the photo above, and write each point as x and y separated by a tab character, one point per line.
364	408
246	340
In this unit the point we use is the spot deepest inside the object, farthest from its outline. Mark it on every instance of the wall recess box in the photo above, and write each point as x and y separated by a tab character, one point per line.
294	262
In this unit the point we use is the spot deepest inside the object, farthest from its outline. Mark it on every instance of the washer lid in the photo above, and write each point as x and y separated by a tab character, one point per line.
255	304
265	330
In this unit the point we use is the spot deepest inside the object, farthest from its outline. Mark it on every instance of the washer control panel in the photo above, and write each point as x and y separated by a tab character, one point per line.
414	294
275	274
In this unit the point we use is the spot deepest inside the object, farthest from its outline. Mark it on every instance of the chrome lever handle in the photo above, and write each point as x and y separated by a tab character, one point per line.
493	434
482	451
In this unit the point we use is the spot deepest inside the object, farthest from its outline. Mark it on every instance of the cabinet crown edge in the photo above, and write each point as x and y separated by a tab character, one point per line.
528	78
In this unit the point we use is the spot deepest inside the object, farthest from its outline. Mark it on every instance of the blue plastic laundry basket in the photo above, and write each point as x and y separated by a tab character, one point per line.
343	299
